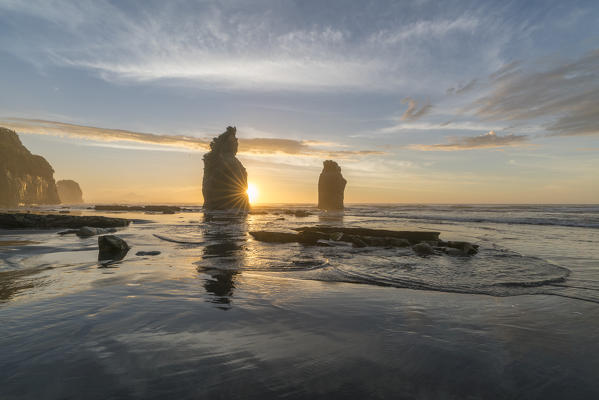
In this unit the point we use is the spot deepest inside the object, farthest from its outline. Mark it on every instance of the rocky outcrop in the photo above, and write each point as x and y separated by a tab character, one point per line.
331	186
69	192
423	243
50	221
24	178
225	179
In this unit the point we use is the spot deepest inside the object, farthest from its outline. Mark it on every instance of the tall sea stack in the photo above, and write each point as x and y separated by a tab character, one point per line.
225	179
331	186
24	178
69	192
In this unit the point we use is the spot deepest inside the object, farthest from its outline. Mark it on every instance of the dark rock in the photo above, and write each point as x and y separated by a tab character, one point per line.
450	251
23	221
275	237
311	237
355	240
112	248
376	241
394	242
24	178
147	253
423	249
422	242
69	192
466	247
412	236
224	185
336	236
331	186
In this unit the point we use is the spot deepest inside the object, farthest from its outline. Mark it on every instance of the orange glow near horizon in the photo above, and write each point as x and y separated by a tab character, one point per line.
252	193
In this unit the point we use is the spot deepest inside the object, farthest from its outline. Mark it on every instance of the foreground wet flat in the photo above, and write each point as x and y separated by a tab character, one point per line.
217	315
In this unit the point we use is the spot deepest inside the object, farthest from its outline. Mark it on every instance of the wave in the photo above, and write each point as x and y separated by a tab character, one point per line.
591	222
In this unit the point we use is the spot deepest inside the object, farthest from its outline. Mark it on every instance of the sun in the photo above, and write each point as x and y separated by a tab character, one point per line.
252	193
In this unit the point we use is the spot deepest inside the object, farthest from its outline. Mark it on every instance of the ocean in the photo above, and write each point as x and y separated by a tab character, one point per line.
220	315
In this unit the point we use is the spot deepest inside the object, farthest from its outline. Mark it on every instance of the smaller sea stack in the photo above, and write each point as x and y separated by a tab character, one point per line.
331	186
225	180
69	192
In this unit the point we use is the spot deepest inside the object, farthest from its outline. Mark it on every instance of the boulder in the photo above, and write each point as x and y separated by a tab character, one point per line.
24	178
224	185
148	253
69	192
112	248
423	249
331	186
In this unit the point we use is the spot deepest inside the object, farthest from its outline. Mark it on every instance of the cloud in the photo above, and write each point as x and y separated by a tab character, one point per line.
486	141
563	99
413	113
310	148
427	29
239	45
461	89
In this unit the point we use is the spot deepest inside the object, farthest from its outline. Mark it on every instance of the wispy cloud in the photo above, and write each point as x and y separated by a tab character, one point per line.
235	45
413	112
427	29
564	99
309	148
463	88
487	141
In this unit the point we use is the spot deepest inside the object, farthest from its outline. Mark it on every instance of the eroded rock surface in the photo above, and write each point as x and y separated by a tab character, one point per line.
69	192
48	221
331	187
423	243
24	178
225	179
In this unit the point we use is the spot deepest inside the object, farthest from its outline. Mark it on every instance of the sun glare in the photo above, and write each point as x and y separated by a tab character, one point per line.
252	193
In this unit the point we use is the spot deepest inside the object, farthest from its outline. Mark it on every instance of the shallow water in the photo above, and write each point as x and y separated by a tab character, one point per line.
219	314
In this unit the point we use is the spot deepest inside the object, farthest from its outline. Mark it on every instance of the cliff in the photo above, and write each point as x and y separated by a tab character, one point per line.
69	192
24	178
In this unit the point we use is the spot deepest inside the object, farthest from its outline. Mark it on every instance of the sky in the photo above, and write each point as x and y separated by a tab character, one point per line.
418	101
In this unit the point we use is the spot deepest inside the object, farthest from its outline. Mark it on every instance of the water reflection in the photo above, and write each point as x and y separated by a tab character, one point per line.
331	217
223	256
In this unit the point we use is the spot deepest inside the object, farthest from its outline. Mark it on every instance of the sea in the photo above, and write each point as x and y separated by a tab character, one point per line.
219	315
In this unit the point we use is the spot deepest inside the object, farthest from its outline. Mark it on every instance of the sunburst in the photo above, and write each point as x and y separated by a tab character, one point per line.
252	193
